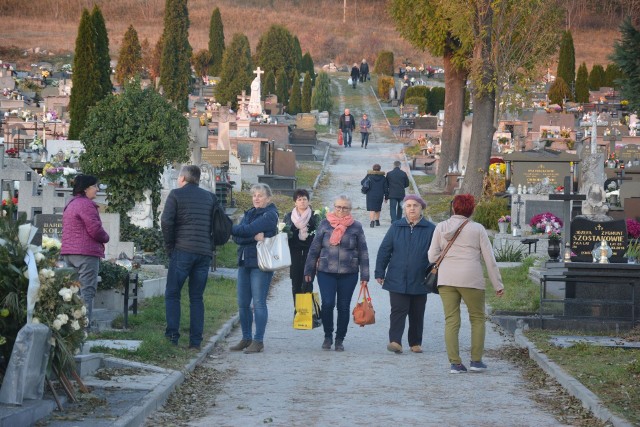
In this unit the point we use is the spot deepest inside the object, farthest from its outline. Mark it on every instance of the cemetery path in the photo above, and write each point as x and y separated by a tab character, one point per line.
295	383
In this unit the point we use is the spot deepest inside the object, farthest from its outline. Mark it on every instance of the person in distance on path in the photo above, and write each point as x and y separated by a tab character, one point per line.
378	192
338	252
400	266
355	75
347	124
460	278
397	181
365	126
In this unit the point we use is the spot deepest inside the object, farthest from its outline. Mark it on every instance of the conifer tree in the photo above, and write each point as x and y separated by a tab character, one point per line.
200	62
321	98
282	89
612	75
306	93
297	52
102	52
276	51
86	78
130	58
626	52
156	60
236	74
175	67
147	53
216	42
295	102
559	91
596	77
582	84
269	86
308	67
567	60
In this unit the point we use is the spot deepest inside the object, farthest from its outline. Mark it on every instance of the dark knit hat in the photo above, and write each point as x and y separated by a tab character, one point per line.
82	182
415	198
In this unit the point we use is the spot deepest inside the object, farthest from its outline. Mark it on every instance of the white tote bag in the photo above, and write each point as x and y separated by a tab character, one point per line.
273	252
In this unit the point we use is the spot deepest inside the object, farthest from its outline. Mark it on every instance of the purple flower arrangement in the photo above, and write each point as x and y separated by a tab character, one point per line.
546	223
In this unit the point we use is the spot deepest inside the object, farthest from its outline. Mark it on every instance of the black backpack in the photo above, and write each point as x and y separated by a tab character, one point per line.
220	225
366	185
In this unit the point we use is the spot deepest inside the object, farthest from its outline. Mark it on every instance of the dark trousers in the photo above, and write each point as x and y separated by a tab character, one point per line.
296	271
395	206
365	138
347	137
401	306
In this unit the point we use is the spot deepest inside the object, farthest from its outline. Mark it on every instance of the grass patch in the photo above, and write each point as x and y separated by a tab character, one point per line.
521	294
437	206
227	255
306	173
613	374
149	325
322	129
423	179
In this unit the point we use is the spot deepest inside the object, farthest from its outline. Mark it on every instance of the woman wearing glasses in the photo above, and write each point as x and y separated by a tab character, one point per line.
83	237
337	254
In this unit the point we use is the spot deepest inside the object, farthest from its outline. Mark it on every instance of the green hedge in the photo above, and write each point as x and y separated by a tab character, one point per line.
384	64
421	91
384	86
419	101
488	211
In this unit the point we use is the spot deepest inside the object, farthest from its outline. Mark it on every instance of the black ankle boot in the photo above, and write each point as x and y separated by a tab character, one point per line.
373	224
378	222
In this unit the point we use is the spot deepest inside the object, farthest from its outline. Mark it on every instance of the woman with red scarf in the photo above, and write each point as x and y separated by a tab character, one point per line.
337	254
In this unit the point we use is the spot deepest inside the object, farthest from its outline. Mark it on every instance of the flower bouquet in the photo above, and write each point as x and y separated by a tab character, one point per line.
53	173
12	152
633	228
320	214
545	223
36	144
554	236
504	218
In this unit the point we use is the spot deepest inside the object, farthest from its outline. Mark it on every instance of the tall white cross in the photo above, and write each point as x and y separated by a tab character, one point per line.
258	72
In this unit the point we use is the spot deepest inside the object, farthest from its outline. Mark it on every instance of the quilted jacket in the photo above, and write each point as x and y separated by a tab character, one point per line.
82	232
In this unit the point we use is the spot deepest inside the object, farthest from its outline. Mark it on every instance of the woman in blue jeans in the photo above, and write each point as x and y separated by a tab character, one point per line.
337	254
253	284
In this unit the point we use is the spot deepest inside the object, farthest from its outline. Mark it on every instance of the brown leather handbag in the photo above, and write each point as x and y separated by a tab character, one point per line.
363	312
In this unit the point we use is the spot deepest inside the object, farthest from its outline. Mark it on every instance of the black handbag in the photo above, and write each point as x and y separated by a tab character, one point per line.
431	273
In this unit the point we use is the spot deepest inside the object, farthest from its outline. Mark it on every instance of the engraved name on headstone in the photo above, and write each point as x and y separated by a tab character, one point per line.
586	233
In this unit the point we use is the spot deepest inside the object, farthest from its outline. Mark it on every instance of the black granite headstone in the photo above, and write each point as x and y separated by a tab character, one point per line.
48	224
586	233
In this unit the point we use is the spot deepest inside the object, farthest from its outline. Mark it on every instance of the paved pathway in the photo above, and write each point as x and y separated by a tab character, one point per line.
295	383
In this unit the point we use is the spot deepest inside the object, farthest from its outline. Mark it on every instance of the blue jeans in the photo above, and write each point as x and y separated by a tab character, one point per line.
365	138
346	135
342	286
395	205
183	265
253	284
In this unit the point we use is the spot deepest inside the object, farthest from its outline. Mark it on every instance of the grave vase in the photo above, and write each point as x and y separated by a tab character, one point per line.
554	250
632	260
502	226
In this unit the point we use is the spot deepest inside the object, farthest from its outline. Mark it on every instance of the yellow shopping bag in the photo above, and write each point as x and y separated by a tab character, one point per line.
307	311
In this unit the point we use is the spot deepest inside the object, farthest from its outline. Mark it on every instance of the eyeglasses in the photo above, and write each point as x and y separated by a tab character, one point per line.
342	208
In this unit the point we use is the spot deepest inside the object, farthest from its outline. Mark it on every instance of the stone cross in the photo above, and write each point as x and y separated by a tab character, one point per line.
243	106
567	197
255	107
258	72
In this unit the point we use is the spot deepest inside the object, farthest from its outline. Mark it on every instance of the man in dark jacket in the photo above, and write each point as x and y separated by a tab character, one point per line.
355	75
364	70
397	181
186	228
347	124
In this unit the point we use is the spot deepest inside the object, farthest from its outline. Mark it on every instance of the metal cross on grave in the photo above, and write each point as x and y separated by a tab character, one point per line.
258	72
567	197
519	203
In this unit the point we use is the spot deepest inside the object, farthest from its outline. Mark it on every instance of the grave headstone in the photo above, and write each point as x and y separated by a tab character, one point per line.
235	172
585	233
284	163
629	152
255	108
48	225
207	177
428	123
142	213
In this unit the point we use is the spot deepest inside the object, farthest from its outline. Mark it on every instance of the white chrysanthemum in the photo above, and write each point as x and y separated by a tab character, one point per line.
40	257
281	226
66	294
50	242
77	314
57	324
63	318
84	310
74	289
75	325
35	321
26	274
52	341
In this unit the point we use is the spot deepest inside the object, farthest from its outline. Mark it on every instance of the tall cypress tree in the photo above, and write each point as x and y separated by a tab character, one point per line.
567	60
559	91
582	84
236	74
626	52
295	102
216	42
612	75
308	67
269	86
282	90
156	60
306	93
321	98
276	51
86	77
130	59
596	77
102	52
297	50
175	68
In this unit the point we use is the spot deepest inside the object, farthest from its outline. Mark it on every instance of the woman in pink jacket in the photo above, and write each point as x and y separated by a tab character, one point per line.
83	237
460	277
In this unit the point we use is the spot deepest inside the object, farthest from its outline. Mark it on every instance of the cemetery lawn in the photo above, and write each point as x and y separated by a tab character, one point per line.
148	326
306	173
613	374
521	293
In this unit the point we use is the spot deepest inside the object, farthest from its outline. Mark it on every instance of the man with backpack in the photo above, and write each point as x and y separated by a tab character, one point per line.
187	224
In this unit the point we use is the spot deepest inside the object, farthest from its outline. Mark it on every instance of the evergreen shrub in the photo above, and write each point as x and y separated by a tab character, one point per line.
488	211
419	101
384	86
384	64
421	91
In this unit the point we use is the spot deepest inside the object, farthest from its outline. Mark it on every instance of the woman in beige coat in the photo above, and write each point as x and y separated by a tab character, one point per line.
460	277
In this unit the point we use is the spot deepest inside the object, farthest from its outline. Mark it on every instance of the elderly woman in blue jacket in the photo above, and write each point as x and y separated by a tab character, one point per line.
337	253
400	268
253	284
